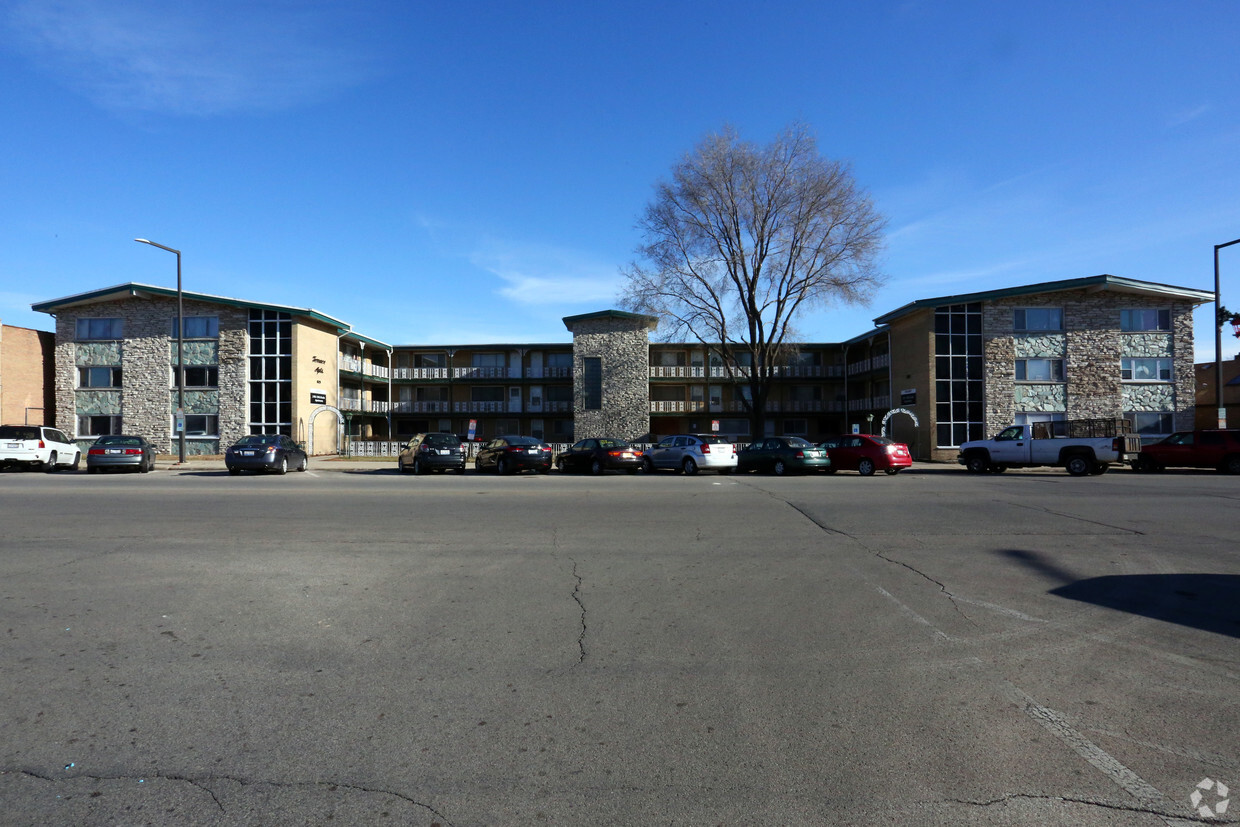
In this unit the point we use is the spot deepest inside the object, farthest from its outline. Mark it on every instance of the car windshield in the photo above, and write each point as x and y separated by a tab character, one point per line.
612	443
711	439
19	432
882	440
521	440
797	442
261	439
118	440
441	440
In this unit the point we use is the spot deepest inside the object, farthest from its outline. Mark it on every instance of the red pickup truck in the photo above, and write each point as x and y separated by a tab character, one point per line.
1193	449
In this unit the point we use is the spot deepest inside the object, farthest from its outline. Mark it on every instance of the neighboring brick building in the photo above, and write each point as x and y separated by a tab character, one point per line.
27	375
934	373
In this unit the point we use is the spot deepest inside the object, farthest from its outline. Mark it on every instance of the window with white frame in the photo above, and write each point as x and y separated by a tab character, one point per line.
1145	319
99	377
199	376
1037	319
98	425
202	425
199	327
88	329
1151	423
1145	370
1039	370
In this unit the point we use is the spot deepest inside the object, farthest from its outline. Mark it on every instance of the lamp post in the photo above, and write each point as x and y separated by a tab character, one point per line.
1218	340
180	348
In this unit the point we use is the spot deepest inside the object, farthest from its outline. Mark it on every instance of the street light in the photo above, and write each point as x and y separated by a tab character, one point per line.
1218	340
180	347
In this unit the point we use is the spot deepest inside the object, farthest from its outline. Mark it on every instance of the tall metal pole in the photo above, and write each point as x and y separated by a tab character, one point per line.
1218	340
180	346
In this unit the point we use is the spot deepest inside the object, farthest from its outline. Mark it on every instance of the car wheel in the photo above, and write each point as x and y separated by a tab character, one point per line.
690	467
865	467
50	465
1099	469
779	468
1143	464
978	463
234	471
1232	464
283	469
596	468
1079	466
400	466
305	463
90	469
501	467
417	468
648	465
461	470
145	467
77	462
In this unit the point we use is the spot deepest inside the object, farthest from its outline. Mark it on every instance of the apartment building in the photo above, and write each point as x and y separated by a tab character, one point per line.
933	373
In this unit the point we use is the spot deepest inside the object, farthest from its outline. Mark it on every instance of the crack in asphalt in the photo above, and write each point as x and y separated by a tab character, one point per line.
581	638
1163	813
1067	516
332	786
879	554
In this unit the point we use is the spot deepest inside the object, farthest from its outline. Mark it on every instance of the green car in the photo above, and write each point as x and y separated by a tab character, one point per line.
782	455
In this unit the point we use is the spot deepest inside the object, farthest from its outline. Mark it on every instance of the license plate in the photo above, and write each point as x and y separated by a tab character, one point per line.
247	453
13	445
113	450
443	452
626	455
534	450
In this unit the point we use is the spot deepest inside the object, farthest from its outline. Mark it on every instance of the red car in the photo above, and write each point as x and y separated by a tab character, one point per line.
866	454
1193	449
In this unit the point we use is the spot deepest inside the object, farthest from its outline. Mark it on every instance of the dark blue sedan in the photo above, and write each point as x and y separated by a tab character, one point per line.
265	452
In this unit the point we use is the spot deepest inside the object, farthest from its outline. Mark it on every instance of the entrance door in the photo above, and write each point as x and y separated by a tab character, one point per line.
514	400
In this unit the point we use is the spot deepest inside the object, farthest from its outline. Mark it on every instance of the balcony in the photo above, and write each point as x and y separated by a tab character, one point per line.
480	373
409	406
681	406
549	373
419	373
869	403
742	372
353	405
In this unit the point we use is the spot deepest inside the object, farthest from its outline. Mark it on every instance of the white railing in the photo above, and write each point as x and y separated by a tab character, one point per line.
410	406
378	371
419	373
549	373
480	373
480	407
869	403
348	403
677	406
350	364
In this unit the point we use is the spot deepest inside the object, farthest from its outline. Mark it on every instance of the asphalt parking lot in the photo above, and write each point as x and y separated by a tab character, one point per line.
354	646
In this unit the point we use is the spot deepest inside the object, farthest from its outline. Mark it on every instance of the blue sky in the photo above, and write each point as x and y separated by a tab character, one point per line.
473	171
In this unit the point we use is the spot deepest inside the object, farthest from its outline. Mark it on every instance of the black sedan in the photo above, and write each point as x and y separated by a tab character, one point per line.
507	454
265	452
599	455
782	455
120	451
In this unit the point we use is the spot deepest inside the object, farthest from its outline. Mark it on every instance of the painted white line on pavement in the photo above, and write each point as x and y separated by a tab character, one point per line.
1003	610
918	618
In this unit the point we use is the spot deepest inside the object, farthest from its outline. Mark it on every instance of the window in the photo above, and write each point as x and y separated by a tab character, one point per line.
1037	319
100	329
796	426
1039	370
1152	319
559	360
271	372
199	327
559	393
1150	423
199	376
428	360
431	394
1145	370
488	360
740	427
202	425
99	378
98	425
805	393
959	388
486	393
592	383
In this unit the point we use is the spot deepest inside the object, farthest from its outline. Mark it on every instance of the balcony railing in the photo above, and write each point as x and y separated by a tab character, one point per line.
742	372
419	373
549	373
694	406
869	403
410	406
348	403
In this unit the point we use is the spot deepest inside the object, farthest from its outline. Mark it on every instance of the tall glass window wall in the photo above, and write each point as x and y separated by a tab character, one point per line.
958	374
271	372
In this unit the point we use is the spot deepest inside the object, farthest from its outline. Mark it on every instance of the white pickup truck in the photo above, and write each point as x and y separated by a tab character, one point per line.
1081	446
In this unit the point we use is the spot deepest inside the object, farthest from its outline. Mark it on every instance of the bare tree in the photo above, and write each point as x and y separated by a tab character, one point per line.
742	239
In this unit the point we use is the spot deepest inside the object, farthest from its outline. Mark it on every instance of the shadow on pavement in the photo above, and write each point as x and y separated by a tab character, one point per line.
1210	602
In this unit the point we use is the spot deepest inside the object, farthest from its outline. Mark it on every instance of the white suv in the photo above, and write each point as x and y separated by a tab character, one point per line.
691	453
38	446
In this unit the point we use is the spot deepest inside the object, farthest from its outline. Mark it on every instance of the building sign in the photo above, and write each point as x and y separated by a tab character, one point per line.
908	397
714	426
473	428
318	398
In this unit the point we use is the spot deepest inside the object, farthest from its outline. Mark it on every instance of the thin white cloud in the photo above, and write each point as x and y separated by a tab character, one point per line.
190	57
1187	115
543	275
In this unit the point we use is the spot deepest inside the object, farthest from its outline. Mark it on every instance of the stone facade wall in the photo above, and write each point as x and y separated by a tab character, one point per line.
147	399
1092	345
624	347
27	376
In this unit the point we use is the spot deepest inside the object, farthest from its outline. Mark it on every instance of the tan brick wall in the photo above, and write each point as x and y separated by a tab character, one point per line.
314	371
27	376
912	368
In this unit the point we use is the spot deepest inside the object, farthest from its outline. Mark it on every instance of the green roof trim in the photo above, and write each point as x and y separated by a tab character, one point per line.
135	289
649	321
1087	284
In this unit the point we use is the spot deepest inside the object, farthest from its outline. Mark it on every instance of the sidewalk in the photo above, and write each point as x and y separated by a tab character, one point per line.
165	462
